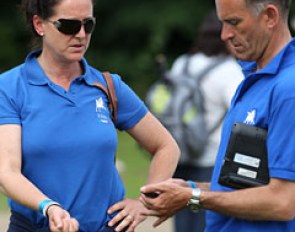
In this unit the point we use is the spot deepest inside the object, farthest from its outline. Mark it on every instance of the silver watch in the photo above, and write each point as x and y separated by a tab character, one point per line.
194	203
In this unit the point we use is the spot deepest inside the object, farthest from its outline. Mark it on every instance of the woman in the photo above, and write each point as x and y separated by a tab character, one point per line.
57	139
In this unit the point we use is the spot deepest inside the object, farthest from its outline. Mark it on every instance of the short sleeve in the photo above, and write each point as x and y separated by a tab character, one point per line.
8	104
281	140
131	109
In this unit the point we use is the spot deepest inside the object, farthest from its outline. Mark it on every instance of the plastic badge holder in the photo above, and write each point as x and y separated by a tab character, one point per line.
245	164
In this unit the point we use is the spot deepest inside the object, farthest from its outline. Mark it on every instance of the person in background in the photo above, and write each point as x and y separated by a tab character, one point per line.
218	86
57	138
257	33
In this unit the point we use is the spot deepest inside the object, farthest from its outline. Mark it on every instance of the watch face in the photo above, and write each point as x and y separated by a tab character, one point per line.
194	205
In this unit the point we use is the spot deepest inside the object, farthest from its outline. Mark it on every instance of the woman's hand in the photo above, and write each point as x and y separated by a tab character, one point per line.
132	213
60	220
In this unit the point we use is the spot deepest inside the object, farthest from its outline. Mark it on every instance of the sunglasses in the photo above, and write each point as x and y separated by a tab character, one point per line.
73	26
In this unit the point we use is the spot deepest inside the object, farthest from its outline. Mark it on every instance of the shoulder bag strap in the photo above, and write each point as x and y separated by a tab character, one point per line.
110	92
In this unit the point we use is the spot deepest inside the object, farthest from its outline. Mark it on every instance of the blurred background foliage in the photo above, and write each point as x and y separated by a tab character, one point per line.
128	36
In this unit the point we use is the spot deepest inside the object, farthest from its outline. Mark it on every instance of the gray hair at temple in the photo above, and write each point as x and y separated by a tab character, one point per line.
259	5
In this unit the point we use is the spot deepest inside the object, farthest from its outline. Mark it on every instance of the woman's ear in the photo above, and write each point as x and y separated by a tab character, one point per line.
38	25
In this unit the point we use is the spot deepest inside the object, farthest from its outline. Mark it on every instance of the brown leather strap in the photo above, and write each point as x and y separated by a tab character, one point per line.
110	92
102	87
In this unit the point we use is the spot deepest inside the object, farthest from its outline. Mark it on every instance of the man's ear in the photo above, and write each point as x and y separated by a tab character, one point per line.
272	15
38	25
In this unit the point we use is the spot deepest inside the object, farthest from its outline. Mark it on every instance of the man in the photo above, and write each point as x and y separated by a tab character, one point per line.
257	33
217	74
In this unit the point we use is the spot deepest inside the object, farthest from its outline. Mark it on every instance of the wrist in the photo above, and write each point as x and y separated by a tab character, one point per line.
194	202
44	206
192	184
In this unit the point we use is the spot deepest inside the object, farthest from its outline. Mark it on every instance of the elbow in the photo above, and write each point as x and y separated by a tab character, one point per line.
1	185
288	214
5	180
175	150
177	153
1	180
286	211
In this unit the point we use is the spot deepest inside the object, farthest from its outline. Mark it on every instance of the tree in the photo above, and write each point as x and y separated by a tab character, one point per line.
128	36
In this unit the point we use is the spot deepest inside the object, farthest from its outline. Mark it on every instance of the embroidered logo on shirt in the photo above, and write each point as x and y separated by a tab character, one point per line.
102	111
99	105
250	120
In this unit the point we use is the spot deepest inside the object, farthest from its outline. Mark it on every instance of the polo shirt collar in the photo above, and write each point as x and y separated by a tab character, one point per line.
36	75
281	59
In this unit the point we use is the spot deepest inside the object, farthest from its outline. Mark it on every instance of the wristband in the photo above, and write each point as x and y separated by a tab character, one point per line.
45	204
192	184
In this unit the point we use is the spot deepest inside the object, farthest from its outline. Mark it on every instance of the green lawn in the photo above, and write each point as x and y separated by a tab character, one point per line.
3	203
136	163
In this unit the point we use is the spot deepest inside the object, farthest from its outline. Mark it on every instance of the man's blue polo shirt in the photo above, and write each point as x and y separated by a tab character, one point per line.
68	139
265	99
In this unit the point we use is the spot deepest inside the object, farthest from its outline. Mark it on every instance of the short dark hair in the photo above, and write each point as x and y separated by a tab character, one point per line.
208	39
283	5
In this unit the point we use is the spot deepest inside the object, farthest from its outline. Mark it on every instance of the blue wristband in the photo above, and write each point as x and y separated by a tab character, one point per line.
45	204
42	204
192	184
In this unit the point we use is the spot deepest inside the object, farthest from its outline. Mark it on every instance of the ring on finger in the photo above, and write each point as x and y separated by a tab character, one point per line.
130	217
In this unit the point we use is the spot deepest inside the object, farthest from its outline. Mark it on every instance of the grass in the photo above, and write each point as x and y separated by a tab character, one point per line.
3	203
135	161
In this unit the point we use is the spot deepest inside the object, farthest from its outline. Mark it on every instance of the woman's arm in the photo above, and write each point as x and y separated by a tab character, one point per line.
154	138
15	186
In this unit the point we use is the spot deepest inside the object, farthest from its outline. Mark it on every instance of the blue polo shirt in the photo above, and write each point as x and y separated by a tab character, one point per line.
68	139
265	99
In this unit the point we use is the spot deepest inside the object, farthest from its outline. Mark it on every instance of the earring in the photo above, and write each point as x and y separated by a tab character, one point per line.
41	33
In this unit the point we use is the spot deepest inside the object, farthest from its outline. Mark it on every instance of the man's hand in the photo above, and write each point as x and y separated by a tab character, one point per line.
173	196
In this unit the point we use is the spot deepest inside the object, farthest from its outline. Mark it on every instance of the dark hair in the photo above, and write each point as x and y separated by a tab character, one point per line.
283	5
42	8
208	39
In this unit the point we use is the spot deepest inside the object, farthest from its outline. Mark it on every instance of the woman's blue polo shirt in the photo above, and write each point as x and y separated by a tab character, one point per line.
265	99
68	138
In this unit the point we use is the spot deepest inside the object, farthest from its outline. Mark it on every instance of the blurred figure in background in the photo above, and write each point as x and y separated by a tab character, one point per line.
218	86
258	34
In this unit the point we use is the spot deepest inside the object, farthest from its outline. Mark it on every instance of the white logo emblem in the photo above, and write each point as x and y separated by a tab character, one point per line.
99	105
250	120
102	111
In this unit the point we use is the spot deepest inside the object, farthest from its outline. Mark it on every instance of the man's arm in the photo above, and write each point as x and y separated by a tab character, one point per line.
275	201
